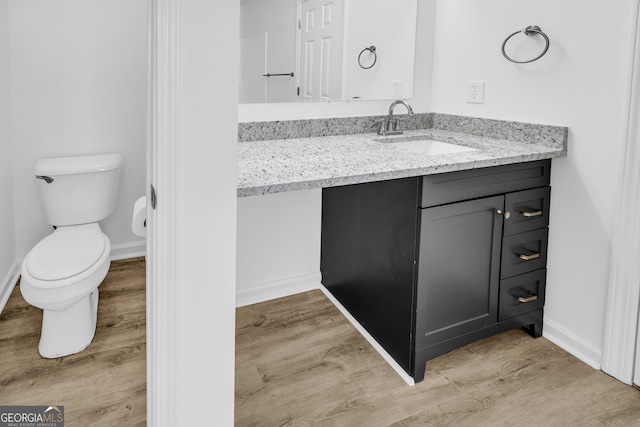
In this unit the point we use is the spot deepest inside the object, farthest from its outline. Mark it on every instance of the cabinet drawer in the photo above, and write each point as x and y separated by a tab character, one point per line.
524	252
529	210
521	294
472	184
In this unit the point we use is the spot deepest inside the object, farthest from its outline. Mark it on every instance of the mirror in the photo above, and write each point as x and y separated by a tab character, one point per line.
326	50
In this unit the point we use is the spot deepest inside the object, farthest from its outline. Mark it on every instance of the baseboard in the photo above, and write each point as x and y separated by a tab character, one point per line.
266	291
572	343
9	282
128	250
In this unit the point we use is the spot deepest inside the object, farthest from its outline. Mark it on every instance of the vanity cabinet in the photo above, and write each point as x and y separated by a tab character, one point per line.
429	264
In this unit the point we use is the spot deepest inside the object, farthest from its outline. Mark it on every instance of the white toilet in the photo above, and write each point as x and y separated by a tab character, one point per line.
61	274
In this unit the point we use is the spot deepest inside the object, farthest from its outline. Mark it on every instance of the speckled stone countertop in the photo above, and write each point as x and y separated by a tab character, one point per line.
290	164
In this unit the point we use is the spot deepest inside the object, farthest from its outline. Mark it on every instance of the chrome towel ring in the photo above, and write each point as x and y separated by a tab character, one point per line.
371	49
530	30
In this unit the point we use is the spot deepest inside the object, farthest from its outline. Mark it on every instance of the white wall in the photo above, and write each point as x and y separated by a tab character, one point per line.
278	245
7	221
78	86
579	83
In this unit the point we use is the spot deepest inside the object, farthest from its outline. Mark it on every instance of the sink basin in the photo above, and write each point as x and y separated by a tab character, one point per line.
418	144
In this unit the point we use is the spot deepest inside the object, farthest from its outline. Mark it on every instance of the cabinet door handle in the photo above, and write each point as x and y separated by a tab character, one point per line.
530	214
529	257
506	214
533	297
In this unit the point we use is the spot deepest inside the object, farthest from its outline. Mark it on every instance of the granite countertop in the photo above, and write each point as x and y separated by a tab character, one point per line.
279	165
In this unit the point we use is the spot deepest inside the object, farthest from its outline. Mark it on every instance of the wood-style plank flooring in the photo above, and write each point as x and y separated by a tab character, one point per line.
104	385
299	362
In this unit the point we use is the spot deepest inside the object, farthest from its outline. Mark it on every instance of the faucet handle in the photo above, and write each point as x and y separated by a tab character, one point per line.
380	126
396	123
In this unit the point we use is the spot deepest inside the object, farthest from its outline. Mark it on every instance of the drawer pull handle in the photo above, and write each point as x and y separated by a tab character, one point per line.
530	214
533	297
529	257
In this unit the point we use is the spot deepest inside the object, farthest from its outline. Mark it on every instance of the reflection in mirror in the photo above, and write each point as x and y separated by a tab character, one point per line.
335	49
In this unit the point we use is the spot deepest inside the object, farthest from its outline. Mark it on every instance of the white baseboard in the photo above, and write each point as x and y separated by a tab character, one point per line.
128	250
260	292
9	282
572	343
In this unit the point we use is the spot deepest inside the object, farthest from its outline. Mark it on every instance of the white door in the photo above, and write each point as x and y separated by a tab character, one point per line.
319	49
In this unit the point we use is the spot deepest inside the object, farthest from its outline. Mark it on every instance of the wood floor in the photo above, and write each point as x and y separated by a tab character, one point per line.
299	362
104	385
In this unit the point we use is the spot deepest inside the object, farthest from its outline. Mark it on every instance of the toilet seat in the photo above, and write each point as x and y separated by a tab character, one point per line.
65	253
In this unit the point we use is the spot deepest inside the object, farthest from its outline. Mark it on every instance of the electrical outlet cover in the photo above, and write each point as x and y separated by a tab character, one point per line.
475	92
397	89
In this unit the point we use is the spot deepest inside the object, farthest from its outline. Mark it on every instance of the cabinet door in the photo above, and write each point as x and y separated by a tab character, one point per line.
458	269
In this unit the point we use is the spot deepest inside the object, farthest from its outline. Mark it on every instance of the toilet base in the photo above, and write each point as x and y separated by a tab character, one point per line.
69	331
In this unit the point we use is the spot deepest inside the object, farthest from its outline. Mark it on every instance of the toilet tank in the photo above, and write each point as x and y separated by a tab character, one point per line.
80	189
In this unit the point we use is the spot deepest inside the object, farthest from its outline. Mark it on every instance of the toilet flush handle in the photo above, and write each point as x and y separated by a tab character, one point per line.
47	179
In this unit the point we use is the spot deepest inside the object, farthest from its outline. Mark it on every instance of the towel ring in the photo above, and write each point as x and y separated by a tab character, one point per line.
530	30
371	49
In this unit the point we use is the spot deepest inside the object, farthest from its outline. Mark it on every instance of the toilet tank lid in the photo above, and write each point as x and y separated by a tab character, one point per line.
77	164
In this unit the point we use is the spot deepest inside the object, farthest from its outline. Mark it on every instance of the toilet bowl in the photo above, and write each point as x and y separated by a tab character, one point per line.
61	275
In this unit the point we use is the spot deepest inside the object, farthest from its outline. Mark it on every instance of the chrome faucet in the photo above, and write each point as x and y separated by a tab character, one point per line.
389	125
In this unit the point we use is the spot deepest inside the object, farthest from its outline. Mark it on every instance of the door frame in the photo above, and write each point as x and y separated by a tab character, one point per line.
621	334
162	142
191	233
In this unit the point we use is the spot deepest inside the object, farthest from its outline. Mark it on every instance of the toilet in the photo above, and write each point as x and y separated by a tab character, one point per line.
62	272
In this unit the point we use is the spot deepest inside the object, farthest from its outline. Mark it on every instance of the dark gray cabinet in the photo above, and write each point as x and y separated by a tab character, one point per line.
429	264
458	269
